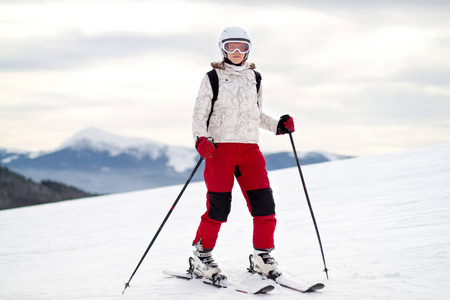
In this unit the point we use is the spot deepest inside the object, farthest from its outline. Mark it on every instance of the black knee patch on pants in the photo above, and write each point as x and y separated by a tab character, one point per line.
261	202
219	205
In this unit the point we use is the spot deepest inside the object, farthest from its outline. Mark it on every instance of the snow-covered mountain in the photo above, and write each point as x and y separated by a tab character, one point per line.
384	222
97	140
102	162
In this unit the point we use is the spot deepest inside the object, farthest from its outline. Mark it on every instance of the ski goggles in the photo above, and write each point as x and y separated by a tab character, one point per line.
233	46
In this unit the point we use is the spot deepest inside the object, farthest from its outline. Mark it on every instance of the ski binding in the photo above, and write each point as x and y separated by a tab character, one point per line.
283	283
220	282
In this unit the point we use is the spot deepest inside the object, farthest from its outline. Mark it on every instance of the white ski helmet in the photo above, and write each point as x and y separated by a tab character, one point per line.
234	34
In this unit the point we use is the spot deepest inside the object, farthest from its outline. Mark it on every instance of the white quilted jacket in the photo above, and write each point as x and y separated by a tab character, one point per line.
237	114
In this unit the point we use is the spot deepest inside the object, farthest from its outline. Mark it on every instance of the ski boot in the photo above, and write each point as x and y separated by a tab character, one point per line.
262	263
204	266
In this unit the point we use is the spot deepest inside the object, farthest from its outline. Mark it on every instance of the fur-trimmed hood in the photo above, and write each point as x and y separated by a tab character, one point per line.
221	65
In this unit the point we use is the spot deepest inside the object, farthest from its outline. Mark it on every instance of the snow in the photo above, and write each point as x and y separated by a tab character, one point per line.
331	156
384	223
10	159
17	154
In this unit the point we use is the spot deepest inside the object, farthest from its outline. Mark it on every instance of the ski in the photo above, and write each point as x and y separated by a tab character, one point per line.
262	290
310	289
189	275
284	283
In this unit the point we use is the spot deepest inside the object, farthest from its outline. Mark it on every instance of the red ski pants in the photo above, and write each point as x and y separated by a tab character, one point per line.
247	163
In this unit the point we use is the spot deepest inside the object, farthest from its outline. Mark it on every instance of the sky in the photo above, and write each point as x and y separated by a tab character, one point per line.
359	77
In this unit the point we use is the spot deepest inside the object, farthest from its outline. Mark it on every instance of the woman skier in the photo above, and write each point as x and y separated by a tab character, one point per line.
226	134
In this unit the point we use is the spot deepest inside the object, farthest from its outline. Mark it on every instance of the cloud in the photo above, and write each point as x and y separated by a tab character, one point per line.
345	5
74	49
370	67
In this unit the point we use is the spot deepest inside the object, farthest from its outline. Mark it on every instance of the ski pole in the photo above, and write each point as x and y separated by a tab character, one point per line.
164	222
309	203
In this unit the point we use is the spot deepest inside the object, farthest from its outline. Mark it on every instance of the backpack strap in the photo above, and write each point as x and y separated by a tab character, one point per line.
214	80
258	80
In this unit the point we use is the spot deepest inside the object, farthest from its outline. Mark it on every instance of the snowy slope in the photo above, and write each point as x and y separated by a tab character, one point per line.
384	221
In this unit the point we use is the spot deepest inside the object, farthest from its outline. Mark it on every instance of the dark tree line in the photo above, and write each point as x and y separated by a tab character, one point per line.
18	191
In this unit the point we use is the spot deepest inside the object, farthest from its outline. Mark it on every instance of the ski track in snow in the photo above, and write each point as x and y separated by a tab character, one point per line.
384	222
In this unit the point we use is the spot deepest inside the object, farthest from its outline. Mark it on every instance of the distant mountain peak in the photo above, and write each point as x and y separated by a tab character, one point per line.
99	140
100	161
102	140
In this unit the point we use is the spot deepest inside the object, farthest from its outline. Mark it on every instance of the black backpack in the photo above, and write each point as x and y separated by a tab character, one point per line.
214	79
